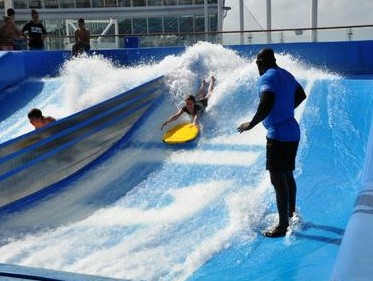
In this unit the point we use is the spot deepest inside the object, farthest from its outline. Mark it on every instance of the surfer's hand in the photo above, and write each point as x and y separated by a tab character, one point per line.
164	124
244	127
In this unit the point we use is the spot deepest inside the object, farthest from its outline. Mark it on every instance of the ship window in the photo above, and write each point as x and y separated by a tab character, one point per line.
68	4
171	25
155	2
139	3
185	2
155	25
139	26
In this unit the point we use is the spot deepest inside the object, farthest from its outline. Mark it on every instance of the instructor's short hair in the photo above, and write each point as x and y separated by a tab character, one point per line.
266	55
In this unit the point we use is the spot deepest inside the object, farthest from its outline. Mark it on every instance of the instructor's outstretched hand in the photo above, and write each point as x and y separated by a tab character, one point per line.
244	127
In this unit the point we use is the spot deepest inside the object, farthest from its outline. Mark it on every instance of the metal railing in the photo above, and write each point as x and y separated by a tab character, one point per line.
58	4
290	35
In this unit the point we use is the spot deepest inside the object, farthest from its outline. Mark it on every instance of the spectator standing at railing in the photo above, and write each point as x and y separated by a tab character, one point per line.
82	39
35	32
19	42
6	42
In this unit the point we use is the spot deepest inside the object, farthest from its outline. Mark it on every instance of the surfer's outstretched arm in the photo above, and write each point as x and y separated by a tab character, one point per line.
196	119
173	118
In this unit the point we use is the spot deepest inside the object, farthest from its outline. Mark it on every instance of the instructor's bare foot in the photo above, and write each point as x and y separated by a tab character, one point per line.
277	231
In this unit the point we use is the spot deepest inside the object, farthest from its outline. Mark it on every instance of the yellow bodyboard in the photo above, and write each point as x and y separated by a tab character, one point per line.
180	133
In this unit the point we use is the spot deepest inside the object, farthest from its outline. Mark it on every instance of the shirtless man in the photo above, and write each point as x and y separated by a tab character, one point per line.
19	42
82	39
6	40
194	107
37	119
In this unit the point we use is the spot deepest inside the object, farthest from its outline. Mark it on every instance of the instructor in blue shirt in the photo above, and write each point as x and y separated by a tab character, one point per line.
279	94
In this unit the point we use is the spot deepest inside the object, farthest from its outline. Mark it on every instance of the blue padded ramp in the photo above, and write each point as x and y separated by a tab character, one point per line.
16	273
43	157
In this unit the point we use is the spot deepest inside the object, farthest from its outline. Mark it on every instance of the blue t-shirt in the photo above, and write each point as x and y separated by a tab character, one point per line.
280	123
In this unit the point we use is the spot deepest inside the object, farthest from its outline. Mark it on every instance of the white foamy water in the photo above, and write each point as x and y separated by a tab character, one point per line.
190	204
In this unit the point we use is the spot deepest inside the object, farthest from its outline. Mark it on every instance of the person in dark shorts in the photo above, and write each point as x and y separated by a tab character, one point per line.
194	107
279	94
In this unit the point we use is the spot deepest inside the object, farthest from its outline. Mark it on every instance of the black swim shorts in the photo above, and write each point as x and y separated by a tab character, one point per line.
281	155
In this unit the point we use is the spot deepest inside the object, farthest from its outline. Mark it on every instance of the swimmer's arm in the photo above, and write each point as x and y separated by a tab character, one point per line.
173	117
196	119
